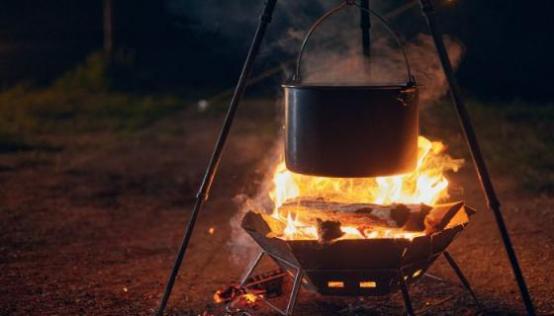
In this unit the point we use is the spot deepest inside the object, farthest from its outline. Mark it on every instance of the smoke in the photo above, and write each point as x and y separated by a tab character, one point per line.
386	65
334	56
243	248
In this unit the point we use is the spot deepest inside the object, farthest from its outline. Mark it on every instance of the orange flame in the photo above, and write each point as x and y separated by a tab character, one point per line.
426	184
250	298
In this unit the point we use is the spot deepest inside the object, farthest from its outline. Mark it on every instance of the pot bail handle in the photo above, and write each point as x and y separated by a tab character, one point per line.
297	77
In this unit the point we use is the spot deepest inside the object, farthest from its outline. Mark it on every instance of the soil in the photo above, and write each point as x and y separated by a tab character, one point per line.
92	229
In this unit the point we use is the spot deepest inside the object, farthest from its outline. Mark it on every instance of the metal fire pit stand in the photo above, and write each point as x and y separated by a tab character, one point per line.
299	275
463	118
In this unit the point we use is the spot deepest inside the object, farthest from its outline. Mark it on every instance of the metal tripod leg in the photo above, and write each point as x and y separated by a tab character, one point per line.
406	297
213	165
365	25
473	144
462	278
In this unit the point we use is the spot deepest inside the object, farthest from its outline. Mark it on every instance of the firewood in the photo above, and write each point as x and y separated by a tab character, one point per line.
442	215
309	211
328	231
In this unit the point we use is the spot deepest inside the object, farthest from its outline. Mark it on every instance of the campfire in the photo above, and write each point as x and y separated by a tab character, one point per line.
360	201
356	236
320	208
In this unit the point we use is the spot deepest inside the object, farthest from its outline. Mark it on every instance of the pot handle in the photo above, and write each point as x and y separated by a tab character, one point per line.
296	77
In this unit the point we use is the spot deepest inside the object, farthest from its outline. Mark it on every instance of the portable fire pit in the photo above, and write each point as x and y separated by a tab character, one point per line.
359	267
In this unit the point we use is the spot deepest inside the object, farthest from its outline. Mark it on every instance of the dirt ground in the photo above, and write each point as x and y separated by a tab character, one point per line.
92	229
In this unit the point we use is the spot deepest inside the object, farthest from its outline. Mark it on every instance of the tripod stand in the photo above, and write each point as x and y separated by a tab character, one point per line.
463	118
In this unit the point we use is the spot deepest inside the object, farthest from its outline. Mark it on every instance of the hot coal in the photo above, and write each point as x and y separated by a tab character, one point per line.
268	284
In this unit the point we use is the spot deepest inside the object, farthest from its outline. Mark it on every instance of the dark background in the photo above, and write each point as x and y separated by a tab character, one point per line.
181	44
101	154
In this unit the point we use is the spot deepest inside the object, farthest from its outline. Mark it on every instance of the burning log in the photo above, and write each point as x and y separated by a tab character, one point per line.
313	211
333	220
328	231
358	221
446	215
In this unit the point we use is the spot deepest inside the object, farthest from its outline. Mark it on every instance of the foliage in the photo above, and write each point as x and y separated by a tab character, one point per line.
516	139
81	100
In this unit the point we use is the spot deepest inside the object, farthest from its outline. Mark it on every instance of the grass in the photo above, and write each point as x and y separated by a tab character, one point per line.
516	138
82	100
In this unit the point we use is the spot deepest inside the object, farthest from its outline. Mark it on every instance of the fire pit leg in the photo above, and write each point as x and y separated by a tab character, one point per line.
475	151
251	268
297	283
462	278
406	297
433	277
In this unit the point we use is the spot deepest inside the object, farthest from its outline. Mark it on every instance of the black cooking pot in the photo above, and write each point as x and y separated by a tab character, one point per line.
341	130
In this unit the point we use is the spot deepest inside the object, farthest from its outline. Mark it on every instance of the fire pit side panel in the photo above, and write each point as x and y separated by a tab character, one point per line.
349	254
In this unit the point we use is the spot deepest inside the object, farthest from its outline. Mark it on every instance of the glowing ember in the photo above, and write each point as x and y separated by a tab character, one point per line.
235	294
426	184
217	297
249	298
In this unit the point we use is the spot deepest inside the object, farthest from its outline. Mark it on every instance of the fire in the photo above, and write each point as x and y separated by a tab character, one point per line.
236	295
426	184
296	230
250	298
217	297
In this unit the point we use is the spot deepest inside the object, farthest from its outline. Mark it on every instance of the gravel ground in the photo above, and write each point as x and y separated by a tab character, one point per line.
92	229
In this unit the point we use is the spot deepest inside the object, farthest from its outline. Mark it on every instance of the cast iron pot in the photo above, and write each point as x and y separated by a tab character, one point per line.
350	131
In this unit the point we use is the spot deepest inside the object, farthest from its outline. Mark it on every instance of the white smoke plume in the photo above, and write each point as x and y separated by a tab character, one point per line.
385	66
334	56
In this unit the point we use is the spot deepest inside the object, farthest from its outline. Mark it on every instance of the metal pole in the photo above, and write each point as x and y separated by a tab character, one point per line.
365	24
296	284
108	28
213	165
478	161
462	278
251	268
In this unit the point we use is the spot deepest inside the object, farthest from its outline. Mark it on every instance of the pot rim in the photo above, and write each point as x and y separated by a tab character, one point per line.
349	86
